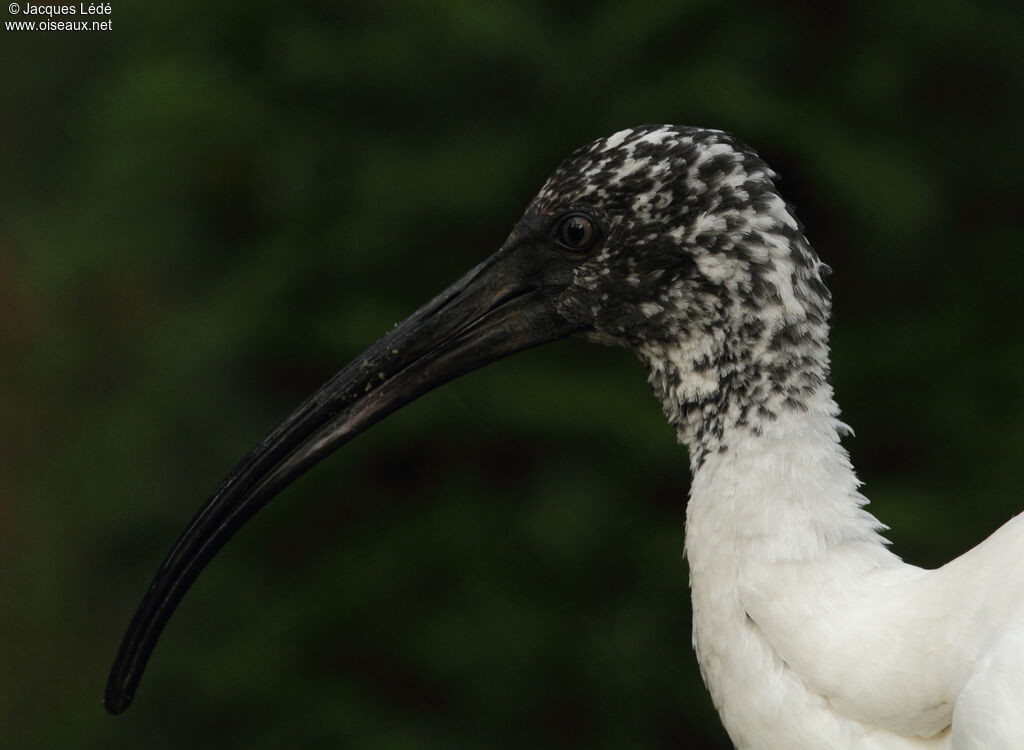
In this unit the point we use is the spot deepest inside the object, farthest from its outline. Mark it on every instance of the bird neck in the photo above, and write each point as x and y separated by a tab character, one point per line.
743	378
762	429
786	491
777	537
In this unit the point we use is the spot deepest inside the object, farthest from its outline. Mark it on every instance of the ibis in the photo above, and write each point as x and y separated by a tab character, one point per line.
674	243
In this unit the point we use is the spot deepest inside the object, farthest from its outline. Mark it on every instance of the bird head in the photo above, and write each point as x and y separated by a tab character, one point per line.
672	242
682	250
676	230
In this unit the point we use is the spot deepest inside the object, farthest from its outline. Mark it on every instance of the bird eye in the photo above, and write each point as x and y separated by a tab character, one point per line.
577	232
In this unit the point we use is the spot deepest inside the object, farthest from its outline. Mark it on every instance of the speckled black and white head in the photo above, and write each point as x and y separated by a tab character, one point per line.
699	266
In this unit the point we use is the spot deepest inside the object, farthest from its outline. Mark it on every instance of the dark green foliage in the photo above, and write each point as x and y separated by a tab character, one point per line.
209	209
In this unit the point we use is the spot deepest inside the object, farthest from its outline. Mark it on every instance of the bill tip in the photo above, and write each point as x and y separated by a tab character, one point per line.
116	702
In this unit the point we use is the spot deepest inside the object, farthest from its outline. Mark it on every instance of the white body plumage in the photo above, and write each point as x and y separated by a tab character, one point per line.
811	634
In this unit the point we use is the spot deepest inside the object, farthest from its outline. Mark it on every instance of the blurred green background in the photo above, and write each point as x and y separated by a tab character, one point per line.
210	208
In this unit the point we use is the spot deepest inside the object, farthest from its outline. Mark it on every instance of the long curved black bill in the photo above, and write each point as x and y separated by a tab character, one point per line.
504	305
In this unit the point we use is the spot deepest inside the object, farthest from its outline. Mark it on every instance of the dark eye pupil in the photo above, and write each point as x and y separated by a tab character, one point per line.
577	232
